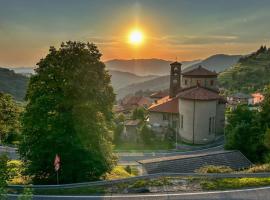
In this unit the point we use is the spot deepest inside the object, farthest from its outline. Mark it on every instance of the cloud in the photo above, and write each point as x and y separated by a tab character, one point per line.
103	40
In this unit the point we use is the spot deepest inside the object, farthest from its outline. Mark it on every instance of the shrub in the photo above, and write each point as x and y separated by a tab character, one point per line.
259	168
214	169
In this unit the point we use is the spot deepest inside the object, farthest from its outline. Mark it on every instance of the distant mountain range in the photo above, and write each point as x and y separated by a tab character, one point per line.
129	76
218	63
143	67
13	83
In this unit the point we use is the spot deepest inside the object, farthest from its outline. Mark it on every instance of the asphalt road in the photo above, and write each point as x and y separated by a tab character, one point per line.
245	194
127	158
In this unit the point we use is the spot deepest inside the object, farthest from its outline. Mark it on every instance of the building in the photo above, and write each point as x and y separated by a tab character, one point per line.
130	131
257	98
129	103
193	108
158	95
239	98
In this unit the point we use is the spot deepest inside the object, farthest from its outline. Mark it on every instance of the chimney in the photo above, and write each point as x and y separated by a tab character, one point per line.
175	78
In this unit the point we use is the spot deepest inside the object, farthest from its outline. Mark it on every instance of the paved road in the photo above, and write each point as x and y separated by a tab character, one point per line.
131	158
247	194
127	158
11	152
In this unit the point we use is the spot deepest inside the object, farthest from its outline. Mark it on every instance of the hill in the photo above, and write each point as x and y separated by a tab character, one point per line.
13	83
122	79
143	67
250	74
218	62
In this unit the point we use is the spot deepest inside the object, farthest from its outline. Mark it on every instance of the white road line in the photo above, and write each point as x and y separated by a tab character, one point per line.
151	195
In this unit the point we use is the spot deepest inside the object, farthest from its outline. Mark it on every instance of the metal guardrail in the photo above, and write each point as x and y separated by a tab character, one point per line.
150	176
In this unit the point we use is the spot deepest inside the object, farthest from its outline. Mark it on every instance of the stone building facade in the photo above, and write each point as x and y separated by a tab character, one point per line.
194	108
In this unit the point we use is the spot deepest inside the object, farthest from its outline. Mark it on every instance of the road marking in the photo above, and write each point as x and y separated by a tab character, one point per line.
150	195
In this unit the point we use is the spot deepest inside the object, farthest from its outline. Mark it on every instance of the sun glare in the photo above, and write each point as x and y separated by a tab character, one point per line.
136	37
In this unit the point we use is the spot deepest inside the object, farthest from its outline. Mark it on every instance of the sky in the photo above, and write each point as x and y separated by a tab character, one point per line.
173	29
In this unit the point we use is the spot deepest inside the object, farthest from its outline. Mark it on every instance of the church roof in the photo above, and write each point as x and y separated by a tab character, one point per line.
200	71
199	93
159	94
165	105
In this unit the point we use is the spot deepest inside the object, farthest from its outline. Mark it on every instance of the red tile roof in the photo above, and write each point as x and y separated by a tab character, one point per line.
200	72
159	94
199	93
165	105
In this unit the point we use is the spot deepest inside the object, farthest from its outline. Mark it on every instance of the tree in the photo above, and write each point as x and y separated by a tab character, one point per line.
4	176
265	109
244	133
146	134
9	116
70	114
139	113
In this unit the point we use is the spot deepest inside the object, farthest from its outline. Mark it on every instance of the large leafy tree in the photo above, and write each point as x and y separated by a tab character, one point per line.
9	116
243	132
69	113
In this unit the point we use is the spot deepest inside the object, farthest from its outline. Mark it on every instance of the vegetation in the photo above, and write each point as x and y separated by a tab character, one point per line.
118	172
248	130
233	183
214	169
12	83
9	115
244	133
4	176
250	74
70	114
139	113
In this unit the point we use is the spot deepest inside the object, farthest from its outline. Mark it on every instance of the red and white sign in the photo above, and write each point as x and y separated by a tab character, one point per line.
57	162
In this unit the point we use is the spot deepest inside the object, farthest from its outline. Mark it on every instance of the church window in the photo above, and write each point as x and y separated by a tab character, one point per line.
210	125
181	121
165	116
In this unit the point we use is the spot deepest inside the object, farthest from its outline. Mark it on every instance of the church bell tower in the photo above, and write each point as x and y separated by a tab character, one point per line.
175	78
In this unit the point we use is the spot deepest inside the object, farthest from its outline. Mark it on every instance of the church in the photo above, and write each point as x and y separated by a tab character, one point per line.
193	108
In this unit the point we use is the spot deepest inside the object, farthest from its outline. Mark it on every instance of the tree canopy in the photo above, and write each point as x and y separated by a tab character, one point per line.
248	130
69	113
9	116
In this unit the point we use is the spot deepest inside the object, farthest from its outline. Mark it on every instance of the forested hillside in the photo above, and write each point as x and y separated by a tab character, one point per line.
12	83
250	74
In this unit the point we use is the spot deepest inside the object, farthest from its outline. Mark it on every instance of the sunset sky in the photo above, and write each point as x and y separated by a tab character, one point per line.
186	29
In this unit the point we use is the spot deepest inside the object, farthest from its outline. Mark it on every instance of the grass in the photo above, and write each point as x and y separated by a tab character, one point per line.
234	183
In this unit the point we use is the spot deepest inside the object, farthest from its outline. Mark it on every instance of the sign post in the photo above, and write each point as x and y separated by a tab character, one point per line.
57	166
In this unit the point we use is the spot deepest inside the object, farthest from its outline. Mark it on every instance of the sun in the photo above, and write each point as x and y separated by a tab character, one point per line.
136	37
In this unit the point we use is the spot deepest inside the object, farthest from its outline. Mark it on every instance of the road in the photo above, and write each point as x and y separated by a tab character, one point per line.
127	158
245	194
11	152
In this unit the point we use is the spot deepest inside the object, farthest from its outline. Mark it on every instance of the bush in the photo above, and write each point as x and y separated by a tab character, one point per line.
128	169
214	169
118	172
259	168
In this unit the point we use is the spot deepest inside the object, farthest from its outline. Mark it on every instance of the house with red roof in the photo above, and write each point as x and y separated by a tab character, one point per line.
193	108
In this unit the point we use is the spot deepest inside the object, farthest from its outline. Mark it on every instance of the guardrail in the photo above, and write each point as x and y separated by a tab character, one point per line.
150	176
